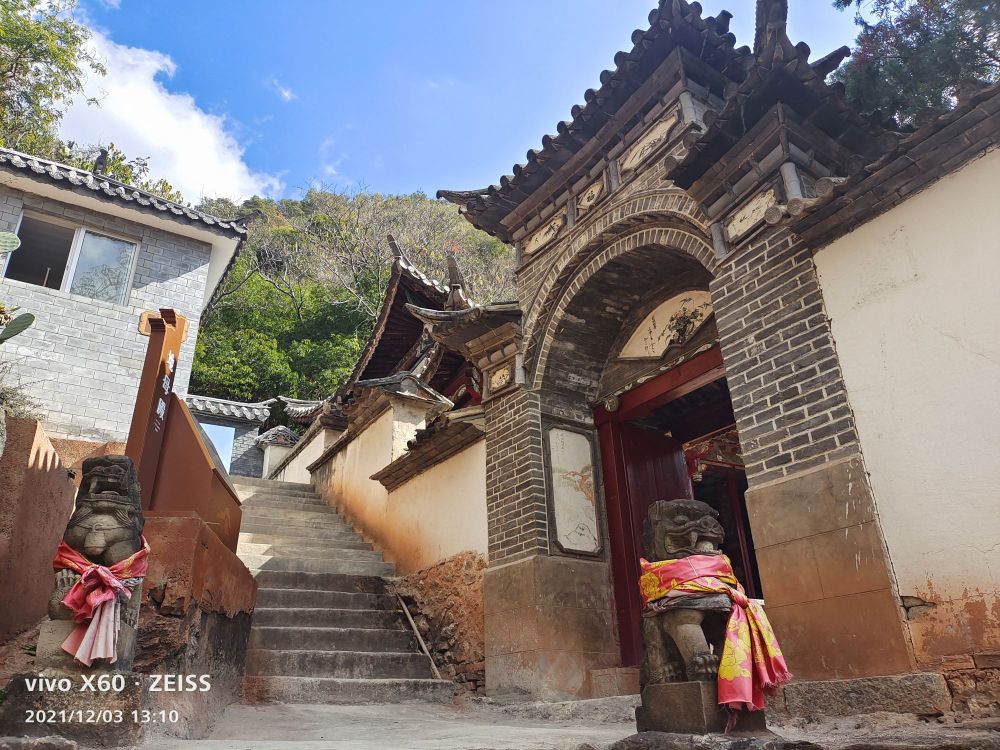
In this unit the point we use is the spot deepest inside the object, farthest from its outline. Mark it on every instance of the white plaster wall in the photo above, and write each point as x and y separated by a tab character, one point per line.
295	470
916	318
359	498
443	509
273	455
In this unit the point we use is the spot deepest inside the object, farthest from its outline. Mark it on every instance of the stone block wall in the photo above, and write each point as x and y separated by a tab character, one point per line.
446	602
82	358
550	625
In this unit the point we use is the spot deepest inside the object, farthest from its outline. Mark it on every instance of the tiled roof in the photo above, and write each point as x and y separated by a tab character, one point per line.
106	188
674	22
406	284
443	437
279	435
299	410
673	25
217	407
941	146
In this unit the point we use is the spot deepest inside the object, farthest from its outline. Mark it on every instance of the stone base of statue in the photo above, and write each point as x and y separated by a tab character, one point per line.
49	653
690	708
56	702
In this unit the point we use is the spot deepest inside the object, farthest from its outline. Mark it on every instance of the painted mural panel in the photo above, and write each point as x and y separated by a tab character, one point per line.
574	501
672	323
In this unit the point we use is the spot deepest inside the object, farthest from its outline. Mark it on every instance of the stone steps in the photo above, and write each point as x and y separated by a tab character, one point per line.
284	579
308	617
338	664
299	526
256	503
331	639
320	551
307	599
271	484
326	628
302	542
322	515
317	565
249	493
346	691
300	532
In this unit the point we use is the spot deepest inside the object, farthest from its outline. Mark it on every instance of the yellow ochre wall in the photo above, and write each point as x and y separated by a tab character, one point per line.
437	514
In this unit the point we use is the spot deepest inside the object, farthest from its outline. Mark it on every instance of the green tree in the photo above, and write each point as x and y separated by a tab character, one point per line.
349	247
310	280
242	364
43	61
913	57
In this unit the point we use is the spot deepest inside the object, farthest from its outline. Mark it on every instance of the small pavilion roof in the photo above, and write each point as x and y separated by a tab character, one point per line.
396	332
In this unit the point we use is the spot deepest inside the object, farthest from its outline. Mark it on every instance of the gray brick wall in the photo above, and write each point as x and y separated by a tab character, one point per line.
247	459
517	519
82	359
783	372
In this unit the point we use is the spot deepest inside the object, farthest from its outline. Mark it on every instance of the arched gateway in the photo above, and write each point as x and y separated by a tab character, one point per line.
672	342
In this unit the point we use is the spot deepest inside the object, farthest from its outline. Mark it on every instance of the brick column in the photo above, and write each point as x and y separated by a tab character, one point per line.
515	481
822	560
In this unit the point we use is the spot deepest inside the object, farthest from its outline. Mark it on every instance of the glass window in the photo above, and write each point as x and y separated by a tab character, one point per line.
102	268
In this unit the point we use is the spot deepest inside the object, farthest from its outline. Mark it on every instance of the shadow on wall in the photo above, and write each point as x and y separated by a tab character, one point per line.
36	500
74	452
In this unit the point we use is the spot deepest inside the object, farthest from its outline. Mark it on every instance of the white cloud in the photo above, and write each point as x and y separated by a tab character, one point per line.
192	149
330	160
434	84
285	93
111	4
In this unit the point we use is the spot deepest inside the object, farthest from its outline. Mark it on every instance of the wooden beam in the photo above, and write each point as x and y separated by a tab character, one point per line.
689	376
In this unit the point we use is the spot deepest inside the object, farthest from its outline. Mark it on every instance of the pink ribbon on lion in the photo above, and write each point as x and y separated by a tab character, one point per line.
95	601
751	663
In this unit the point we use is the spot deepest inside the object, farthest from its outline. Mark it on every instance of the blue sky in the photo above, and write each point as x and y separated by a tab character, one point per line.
233	98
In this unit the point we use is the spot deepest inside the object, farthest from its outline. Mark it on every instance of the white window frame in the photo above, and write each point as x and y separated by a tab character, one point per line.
79	230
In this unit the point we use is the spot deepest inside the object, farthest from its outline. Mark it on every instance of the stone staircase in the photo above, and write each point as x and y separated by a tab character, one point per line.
326	628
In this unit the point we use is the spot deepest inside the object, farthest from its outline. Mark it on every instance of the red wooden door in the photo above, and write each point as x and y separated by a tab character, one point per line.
640	467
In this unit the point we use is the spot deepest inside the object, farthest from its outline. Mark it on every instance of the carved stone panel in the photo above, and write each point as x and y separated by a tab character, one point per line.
541	237
647	144
574	498
750	215
590	196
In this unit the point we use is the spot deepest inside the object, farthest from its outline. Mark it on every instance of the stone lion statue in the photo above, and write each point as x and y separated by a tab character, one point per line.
683	636
106	526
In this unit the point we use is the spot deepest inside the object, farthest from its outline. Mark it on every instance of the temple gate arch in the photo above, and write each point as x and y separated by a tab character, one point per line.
652	246
669	207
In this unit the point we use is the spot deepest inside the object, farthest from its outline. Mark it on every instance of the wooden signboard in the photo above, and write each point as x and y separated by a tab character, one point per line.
167	331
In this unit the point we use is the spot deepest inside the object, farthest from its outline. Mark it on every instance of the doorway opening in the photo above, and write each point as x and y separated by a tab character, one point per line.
672	437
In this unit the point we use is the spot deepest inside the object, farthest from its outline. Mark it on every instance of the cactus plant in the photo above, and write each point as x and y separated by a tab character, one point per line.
13	325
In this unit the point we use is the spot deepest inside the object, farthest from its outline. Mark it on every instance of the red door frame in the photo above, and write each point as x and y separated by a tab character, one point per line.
689	376
698	371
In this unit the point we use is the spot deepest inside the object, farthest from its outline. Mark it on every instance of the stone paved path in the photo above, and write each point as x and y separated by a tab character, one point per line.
393	727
